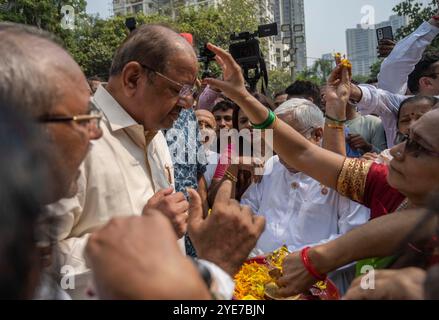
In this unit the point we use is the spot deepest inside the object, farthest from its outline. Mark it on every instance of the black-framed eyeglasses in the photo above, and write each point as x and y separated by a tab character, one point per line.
186	90
414	148
93	117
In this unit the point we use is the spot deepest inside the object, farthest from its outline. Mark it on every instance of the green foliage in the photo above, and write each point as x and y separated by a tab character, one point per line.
318	73
279	80
94	40
417	13
375	69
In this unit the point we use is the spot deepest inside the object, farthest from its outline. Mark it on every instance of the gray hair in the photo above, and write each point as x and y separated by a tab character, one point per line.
151	45
24	83
304	112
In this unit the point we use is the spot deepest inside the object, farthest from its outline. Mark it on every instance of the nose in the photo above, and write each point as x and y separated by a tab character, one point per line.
398	151
94	132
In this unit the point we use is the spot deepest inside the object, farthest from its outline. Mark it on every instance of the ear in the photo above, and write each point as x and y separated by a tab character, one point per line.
318	135
425	82
132	74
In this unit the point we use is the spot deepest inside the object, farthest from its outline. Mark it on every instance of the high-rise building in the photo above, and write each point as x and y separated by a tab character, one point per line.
362	44
291	12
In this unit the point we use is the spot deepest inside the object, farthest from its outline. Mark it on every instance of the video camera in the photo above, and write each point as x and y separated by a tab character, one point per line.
245	49
206	57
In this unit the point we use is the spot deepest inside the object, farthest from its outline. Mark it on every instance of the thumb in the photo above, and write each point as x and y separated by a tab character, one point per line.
195	209
215	83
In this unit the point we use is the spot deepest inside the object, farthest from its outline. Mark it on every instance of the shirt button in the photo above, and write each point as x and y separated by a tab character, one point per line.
294	185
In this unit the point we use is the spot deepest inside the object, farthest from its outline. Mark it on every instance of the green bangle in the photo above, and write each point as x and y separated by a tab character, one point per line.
335	120
267	123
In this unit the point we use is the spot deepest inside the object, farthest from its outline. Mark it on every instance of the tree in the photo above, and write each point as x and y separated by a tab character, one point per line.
417	13
375	69
93	41
278	80
44	14
318	73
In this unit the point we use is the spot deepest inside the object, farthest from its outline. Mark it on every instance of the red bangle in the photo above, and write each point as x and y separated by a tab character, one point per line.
308	265
435	17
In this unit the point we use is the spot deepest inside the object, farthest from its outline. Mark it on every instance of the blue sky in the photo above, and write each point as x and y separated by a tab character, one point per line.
326	20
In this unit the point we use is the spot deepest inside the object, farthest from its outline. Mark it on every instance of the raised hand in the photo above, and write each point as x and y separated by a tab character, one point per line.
233	83
227	236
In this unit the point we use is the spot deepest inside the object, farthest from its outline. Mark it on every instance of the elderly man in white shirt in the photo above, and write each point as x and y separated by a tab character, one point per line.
393	77
299	211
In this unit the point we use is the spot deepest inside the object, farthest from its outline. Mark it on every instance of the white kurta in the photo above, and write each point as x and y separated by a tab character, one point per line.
297	212
300	212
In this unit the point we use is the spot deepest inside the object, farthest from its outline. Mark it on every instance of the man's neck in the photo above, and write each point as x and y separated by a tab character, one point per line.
351	113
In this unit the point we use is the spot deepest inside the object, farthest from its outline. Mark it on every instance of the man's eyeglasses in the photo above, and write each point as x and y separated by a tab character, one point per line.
186	90
414	148
93	118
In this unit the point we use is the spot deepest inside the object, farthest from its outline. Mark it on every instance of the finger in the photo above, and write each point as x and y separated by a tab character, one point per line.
163	193
334	74
195	209
215	84
224	193
181	207
258	225
224	55
356	293
177	197
345	79
246	214
221	63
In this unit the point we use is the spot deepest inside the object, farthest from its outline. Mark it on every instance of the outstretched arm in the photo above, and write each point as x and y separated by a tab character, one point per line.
298	152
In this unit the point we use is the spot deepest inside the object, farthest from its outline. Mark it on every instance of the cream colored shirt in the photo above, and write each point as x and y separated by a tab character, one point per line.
122	171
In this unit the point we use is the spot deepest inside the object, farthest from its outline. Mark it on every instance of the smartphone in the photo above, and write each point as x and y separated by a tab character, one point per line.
385	33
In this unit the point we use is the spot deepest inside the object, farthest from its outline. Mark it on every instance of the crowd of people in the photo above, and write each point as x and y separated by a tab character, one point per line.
155	184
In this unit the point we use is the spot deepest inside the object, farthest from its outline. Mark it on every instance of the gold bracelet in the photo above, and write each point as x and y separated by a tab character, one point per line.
231	177
335	126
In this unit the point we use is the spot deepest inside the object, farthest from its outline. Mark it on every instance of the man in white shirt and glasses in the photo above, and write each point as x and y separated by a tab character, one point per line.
299	211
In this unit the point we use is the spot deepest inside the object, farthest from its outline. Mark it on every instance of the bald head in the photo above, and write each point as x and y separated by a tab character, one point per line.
33	69
150	45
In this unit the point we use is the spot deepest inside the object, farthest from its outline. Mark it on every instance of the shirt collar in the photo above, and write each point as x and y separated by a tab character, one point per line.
117	117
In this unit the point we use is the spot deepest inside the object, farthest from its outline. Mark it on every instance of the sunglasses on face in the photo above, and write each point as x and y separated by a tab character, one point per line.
415	149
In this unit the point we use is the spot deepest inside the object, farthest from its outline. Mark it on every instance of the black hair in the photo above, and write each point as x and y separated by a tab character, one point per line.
224	106
423	69
432	100
305	89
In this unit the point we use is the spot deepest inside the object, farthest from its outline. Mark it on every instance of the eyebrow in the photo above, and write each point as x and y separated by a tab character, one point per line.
422	141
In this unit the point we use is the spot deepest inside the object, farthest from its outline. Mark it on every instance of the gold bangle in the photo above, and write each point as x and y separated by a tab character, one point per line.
231	177
335	126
